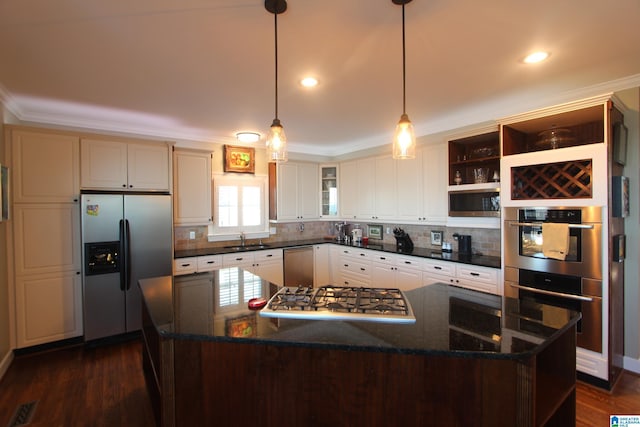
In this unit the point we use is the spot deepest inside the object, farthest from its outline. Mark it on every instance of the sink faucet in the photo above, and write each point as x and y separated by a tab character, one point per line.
243	239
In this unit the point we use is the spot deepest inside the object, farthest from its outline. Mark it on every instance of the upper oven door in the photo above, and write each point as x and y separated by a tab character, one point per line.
523	240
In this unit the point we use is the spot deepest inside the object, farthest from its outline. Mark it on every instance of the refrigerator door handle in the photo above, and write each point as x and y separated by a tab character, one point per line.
127	252
123	251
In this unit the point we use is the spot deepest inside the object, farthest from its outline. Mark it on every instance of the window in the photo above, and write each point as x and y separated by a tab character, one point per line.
240	205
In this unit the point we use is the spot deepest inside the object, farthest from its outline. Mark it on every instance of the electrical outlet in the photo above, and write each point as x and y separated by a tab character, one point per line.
192	235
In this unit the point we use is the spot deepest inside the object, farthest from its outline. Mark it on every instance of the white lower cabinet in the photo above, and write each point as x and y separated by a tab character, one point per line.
484	279
396	271
199	264
321	266
48	283
353	266
349	266
48	307
267	264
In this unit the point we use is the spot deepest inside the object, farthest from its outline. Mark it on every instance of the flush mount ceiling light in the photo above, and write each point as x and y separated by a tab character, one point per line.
404	139
535	57
309	82
276	139
248	137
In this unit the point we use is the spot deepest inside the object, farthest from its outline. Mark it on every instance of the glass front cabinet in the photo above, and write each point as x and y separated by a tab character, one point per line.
329	191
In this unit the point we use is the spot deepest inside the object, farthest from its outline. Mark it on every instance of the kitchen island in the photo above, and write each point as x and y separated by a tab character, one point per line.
469	359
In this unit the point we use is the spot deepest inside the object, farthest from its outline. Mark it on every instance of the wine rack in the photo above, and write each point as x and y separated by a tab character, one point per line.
562	180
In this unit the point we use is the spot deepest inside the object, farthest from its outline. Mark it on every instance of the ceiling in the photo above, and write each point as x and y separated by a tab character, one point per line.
202	70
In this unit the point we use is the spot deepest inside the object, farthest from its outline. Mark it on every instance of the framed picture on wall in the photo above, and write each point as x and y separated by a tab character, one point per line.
4	193
620	196
620	136
375	232
239	159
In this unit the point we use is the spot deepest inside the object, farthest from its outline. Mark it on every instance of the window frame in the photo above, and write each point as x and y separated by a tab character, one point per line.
217	233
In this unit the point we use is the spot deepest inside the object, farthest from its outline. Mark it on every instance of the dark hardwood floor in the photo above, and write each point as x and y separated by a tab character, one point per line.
104	386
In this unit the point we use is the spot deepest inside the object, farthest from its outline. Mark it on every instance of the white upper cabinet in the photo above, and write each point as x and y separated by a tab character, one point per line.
348	189
385	188
45	167
434	184
119	165
409	189
191	187
380	188
297	191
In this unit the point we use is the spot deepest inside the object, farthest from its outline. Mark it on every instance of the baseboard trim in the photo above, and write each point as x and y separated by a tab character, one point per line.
631	364
6	362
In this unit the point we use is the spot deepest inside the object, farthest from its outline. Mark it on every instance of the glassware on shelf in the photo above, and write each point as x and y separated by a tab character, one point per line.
555	138
458	178
480	175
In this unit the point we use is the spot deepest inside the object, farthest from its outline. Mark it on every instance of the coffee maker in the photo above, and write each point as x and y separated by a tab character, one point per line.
464	243
403	241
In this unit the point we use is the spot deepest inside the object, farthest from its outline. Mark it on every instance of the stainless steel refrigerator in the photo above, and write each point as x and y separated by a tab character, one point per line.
125	237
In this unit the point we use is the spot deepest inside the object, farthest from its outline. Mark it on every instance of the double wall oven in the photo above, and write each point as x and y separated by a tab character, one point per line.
575	282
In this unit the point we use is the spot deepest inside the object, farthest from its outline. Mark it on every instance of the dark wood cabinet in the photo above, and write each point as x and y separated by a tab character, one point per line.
479	153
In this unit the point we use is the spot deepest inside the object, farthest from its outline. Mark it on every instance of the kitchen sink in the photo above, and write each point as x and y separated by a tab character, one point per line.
249	247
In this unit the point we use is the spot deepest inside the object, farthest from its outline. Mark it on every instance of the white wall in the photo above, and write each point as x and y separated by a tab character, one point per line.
5	337
631	99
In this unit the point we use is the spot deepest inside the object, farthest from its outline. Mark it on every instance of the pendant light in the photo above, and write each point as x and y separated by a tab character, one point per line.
404	139
276	139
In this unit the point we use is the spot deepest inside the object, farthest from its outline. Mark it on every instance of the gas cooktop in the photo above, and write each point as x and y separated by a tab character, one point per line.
340	303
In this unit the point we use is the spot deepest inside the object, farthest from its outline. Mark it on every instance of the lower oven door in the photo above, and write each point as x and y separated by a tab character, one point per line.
574	293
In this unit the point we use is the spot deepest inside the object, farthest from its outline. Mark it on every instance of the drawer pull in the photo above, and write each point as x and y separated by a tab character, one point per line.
362	269
211	262
363	254
474	274
408	262
437	268
185	265
270	255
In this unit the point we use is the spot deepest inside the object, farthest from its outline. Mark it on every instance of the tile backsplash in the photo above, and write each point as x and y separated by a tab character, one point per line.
483	241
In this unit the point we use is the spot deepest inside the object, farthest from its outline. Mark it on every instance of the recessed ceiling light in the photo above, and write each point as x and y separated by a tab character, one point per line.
248	137
535	57
309	82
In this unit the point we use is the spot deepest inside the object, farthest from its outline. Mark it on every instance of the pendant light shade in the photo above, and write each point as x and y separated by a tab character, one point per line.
276	139
276	143
404	139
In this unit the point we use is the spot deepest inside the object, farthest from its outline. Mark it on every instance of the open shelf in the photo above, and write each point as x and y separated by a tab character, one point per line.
578	127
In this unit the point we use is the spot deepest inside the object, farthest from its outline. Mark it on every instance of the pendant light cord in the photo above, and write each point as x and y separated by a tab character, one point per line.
275	19
404	73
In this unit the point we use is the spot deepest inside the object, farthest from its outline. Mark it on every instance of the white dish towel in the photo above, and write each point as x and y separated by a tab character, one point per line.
555	240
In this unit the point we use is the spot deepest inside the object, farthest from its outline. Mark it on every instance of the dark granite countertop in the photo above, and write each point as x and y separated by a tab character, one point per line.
480	260
449	320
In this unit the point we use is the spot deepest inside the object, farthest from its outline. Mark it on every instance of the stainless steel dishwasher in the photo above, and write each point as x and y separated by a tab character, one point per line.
298	266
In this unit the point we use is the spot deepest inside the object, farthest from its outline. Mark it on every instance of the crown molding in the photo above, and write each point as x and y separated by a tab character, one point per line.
73	116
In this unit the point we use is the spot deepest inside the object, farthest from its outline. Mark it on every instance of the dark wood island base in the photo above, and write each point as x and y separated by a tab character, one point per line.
247	382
